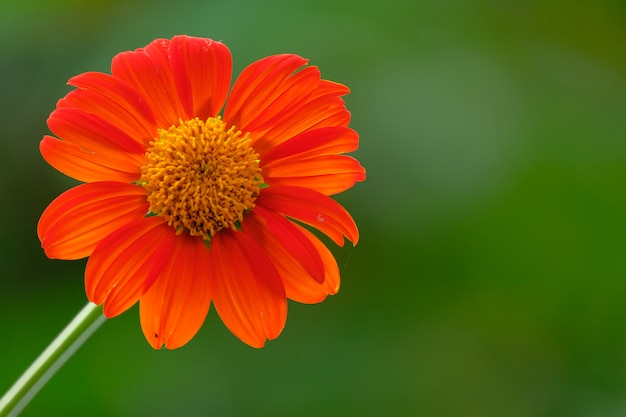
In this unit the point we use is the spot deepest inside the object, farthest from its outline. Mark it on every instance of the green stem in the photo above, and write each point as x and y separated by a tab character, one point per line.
55	355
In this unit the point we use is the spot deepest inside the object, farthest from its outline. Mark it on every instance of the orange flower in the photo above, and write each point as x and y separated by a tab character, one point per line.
182	206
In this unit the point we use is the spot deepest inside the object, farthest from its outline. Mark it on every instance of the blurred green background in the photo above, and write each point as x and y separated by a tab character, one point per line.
490	279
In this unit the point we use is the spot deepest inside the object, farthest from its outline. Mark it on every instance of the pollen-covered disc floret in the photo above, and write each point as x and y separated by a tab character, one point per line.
201	176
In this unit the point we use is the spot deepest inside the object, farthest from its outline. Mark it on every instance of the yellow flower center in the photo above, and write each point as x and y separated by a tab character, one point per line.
201	176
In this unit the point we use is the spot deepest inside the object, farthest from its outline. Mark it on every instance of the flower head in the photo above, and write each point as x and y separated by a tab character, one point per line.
190	199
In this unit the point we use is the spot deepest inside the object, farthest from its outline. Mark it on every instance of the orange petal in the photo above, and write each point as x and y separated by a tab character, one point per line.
329	174
147	70
174	308
288	236
274	102
86	166
247	291
316	114
113	101
202	69
92	133
332	280
265	104
86	136
333	140
127	262
299	284
76	221
313	208
256	87
322	107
